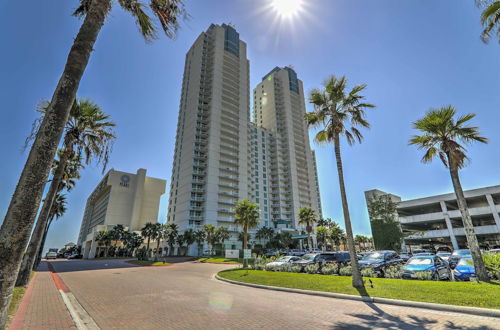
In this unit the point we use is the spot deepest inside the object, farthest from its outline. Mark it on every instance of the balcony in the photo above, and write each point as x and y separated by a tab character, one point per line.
230	161
196	208
229	177
228	193
199	156
227	184
198	189
196	217
198	199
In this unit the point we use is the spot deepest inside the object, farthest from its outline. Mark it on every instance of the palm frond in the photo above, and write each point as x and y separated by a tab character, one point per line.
168	13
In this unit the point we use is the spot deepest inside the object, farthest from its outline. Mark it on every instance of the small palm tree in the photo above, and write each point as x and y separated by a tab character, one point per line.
308	218
189	237
335	108
444	136
171	236
264	233
337	235
322	236
104	237
25	201
209	231
180	240
147	232
118	234
246	216
490	19
87	135
159	232
199	237
221	234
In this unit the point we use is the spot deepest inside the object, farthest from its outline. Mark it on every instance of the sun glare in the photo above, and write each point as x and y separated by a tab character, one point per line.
287	8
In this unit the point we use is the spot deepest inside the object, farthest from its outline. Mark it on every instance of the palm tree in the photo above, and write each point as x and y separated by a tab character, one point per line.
444	136
199	237
171	236
209	231
490	18
159	232
308	218
322	236
180	240
264	233
25	201
87	135
221	235
118	234
189	237
246	216
147	232
335	108
337	235
104	237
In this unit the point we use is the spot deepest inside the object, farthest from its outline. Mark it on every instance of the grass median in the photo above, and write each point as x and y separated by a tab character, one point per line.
221	260
471	294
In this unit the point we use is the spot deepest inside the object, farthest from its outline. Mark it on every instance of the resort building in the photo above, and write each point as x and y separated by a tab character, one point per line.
123	198
436	220
222	156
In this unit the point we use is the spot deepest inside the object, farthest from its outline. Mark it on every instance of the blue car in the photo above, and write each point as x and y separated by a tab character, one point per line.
379	260
464	270
426	263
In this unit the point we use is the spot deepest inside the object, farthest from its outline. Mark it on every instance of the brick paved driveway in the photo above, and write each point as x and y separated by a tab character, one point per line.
121	296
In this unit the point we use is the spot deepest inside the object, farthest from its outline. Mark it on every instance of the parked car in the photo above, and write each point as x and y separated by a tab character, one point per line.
51	255
341	257
379	260
272	253
444	255
315	250
457	255
426	263
284	260
405	256
464	269
443	249
494	251
75	256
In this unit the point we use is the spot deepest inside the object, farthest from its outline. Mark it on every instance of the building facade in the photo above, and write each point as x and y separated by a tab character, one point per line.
123	198
436	220
222	156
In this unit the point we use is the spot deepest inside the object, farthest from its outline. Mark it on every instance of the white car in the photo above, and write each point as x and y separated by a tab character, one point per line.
284	260
51	255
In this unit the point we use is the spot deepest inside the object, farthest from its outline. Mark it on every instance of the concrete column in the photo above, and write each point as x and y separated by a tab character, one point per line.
494	211
93	248
448	225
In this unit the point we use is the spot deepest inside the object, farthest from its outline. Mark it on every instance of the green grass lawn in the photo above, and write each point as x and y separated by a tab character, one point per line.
17	295
222	260
149	263
471	294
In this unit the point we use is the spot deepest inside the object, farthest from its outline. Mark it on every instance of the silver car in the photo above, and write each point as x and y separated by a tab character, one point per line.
284	260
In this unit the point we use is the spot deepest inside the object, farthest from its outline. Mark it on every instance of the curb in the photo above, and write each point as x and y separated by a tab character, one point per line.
406	303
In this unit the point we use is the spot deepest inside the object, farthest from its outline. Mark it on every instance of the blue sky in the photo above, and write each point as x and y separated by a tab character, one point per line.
413	55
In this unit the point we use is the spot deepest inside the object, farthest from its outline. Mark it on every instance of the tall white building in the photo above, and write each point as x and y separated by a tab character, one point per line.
122	198
221	156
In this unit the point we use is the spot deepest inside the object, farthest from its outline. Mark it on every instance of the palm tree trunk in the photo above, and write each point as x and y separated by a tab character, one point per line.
42	244
157	249
25	201
245	261
36	238
357	281
149	238
479	267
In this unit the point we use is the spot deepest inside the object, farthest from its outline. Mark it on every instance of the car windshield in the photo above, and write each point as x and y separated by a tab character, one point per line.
465	262
308	256
443	254
283	259
420	261
374	256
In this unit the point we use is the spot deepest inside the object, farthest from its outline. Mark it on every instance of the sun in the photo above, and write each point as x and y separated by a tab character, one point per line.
287	8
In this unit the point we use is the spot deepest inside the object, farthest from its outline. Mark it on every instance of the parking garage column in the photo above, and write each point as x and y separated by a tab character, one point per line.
448	225
494	211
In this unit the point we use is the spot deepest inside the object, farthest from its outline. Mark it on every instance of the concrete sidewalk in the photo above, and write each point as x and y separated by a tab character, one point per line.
42	306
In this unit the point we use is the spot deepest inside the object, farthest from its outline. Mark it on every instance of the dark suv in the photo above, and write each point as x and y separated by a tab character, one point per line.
379	260
341	257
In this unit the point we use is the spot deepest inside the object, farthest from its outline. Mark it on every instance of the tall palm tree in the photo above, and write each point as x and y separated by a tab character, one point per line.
221	234
264	233
147	232
133	241
159	232
25	201
209	231
444	136
118	234
199	237
335	108
171	236
308	218
336	234
490	19
246	216
88	134
189	237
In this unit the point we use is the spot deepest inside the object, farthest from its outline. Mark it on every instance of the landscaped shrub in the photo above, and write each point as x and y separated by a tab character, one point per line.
270	268
492	264
345	271
311	269
142	253
285	268
394	271
368	272
295	269
329	269
424	276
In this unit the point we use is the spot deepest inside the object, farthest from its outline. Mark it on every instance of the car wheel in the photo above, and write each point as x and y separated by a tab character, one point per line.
435	277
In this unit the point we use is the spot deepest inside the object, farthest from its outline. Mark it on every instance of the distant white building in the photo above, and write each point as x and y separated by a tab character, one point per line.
120	198
436	220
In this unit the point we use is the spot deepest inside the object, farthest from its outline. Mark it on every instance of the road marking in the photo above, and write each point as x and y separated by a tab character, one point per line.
82	319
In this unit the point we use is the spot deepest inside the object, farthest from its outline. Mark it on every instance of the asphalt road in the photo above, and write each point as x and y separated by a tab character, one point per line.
118	295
